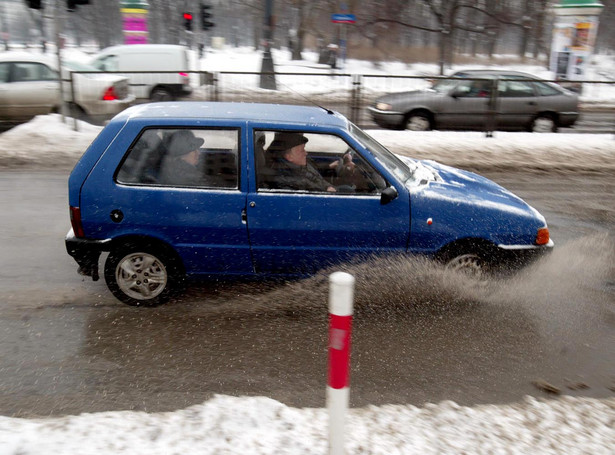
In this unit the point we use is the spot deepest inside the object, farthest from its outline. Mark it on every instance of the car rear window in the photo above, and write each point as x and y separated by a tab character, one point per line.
183	157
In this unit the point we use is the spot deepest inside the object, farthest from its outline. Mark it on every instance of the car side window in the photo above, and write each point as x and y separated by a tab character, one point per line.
515	89
4	72
474	89
106	63
183	157
546	89
30	71
312	162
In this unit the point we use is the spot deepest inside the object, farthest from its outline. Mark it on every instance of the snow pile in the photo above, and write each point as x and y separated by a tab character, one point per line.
259	425
46	142
530	151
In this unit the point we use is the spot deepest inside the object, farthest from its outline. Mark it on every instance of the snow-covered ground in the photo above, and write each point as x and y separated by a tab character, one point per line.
259	425
316	86
46	142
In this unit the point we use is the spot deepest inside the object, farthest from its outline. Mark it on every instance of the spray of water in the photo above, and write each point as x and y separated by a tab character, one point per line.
556	286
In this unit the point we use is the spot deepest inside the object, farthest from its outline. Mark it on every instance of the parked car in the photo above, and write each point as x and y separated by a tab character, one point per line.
235	220
157	72
511	100
29	86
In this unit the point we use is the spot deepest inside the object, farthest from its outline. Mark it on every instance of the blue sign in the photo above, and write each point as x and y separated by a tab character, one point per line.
343	18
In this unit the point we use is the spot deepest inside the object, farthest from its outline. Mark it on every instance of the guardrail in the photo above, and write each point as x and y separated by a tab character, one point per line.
351	94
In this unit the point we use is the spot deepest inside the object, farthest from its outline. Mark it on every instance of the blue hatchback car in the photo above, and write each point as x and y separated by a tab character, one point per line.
186	189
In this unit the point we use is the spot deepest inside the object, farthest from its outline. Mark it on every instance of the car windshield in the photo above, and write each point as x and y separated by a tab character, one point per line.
396	166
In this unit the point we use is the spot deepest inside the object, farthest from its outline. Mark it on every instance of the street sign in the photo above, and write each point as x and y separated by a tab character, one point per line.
343	18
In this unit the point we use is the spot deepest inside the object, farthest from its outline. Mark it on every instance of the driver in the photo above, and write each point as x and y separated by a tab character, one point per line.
293	171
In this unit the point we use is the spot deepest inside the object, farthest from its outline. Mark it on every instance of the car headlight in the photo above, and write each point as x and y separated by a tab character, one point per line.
383	107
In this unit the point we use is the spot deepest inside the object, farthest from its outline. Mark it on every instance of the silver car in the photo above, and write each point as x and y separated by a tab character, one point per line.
480	100
29	86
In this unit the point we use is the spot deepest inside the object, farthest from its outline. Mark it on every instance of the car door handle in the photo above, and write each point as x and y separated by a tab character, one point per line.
532	103
244	216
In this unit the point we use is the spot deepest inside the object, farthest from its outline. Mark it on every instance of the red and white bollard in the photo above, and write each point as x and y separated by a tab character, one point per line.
341	296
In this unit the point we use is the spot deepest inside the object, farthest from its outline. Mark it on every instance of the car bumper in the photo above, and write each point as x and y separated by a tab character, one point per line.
86	253
386	119
568	118
107	108
516	256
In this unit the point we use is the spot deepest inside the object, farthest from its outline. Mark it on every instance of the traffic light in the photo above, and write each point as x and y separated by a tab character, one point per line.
206	24
188	21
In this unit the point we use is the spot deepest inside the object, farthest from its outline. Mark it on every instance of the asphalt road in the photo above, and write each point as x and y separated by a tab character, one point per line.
419	335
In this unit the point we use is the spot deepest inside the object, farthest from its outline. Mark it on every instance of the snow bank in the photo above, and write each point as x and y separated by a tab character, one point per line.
258	425
46	142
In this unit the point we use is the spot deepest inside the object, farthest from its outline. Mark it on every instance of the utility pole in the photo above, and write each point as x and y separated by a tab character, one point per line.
57	21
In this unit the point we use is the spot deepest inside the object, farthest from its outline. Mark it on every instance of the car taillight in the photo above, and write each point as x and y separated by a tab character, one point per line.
110	95
75	221
542	237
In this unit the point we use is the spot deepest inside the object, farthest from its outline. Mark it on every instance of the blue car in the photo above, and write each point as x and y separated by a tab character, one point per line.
199	189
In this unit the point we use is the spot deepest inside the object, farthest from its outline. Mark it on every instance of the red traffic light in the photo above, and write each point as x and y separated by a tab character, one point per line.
188	16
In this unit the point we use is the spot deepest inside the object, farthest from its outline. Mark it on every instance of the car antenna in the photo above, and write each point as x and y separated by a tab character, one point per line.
327	110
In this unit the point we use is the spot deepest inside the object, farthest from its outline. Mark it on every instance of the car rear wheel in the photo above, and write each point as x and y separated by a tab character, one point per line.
161	94
544	123
418	121
142	275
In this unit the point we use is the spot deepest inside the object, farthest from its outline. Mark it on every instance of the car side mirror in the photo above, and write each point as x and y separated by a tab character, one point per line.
388	195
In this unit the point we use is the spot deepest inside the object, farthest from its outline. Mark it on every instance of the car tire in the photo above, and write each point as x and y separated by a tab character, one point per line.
418	121
143	274
471	265
544	123
161	94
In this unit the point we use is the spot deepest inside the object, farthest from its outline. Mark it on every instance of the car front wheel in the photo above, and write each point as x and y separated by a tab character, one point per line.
471	265
142	275
161	94
418	121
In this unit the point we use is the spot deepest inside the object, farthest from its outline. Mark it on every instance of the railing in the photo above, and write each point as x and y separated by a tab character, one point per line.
351	94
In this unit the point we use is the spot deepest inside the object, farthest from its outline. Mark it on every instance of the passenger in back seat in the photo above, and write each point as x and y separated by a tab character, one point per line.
181	165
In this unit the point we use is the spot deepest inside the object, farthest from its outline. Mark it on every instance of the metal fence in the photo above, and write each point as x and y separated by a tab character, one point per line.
349	94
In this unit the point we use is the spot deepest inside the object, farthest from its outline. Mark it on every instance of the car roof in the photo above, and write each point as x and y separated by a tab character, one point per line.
17	56
257	112
136	48
495	72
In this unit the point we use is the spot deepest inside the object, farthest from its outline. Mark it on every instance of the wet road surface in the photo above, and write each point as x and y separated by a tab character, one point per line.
420	335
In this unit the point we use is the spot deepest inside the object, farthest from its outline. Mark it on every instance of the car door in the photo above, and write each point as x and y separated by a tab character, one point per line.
300	231
466	106
195	206
517	103
32	90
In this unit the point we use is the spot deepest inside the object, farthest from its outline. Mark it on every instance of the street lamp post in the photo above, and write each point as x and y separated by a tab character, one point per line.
267	69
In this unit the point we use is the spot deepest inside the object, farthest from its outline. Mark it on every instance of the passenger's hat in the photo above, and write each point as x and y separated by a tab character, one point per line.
184	141
286	141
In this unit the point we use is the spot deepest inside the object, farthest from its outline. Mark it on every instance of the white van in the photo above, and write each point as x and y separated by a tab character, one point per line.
151	84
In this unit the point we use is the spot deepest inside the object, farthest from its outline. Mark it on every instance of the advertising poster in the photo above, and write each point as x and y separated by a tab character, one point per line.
573	43
134	25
